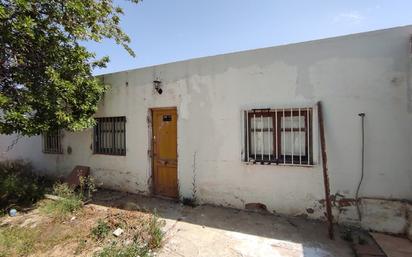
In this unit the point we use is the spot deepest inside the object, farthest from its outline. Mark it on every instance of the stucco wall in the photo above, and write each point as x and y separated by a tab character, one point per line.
366	72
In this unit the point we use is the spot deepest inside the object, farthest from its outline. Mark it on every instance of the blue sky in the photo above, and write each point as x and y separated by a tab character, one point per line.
165	31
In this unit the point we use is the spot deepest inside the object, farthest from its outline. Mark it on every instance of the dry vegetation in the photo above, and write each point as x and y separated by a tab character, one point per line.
88	234
67	227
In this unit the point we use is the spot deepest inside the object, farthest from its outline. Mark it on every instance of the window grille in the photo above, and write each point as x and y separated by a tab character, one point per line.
279	136
52	142
110	136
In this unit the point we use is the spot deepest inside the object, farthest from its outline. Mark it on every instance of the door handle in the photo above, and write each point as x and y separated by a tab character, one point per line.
163	162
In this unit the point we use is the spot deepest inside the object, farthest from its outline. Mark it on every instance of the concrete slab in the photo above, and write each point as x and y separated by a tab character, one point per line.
216	231
368	250
393	246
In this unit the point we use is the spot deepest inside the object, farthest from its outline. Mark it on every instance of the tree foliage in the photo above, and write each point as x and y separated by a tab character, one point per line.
46	80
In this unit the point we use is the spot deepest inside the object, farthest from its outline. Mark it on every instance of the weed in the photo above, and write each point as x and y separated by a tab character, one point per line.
189	201
87	187
155	232
19	186
131	250
361	240
101	230
347	235
68	203
63	190
17	241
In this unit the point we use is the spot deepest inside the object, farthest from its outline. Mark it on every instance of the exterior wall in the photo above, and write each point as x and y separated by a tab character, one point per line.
366	72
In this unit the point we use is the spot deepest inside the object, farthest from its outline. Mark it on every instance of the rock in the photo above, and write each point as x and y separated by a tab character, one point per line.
131	206
73	218
118	232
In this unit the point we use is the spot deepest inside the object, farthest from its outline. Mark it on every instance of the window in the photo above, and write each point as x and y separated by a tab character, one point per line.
110	136
280	136
52	142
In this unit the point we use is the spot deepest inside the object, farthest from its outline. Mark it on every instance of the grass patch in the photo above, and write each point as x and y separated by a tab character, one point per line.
26	241
155	232
69	202
142	235
101	230
16	241
116	250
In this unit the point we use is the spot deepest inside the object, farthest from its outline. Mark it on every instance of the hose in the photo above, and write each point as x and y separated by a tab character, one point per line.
362	115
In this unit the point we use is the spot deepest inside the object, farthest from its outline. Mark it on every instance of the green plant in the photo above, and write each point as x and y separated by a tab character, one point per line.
47	80
87	187
101	230
155	232
17	241
63	190
67	203
132	250
19	185
347	235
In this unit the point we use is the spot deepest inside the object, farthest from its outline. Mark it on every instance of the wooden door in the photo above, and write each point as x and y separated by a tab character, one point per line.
165	152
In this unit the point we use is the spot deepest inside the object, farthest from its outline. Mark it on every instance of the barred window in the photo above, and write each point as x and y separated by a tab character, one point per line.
52	142
279	136
110	136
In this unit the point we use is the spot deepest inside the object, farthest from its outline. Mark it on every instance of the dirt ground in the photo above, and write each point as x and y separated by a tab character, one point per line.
216	231
189	232
69	236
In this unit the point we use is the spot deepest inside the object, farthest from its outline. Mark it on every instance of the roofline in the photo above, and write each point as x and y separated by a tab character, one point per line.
263	48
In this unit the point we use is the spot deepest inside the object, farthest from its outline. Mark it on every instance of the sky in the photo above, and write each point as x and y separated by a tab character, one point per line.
164	31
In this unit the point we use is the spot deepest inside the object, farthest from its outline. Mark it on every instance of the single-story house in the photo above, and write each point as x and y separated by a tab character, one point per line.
243	128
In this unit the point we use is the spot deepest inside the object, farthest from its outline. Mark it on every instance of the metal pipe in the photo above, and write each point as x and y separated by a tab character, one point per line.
284	136
300	141
276	134
254	133
247	136
308	131
269	136
262	149
329	214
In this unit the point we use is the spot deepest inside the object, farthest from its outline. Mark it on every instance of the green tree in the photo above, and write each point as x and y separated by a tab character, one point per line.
46	80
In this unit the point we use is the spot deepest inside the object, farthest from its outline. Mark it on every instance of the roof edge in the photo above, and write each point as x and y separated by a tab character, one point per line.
263	48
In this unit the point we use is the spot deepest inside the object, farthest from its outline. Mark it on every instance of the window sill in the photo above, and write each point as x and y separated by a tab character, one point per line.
110	154
280	164
52	152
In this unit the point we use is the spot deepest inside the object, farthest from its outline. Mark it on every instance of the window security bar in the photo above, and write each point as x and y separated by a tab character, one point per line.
52	142
279	136
110	136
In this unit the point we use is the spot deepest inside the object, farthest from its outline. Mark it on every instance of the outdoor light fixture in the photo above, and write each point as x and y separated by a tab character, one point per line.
157	85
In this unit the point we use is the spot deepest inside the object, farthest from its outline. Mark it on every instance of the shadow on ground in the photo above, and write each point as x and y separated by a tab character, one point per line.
216	231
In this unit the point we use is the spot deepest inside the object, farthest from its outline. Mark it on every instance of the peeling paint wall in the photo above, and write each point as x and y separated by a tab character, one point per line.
368	72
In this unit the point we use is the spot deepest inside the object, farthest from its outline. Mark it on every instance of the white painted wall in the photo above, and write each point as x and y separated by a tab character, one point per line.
366	72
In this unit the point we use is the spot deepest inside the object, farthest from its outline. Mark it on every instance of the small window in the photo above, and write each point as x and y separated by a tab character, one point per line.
110	136
52	142
280	136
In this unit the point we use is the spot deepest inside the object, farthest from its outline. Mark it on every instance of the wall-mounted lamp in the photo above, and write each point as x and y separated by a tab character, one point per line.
158	86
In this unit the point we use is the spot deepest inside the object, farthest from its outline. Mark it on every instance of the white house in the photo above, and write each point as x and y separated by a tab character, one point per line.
242	128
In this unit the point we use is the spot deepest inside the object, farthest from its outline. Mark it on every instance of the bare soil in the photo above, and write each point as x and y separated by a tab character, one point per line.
37	234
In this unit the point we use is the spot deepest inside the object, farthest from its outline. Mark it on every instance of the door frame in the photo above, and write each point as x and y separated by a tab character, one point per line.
151	150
